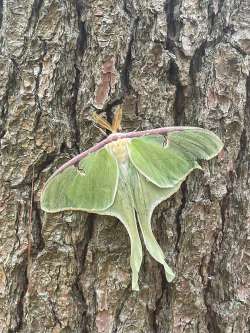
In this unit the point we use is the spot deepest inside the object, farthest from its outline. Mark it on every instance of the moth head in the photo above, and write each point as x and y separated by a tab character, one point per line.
116	122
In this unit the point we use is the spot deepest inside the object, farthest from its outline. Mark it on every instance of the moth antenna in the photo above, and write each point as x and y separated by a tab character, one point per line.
102	122
116	123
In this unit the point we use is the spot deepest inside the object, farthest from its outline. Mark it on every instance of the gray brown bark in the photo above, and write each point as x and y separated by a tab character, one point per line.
180	62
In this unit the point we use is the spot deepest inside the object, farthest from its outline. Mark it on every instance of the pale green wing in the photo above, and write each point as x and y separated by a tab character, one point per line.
136	194
89	186
163	167
123	209
167	161
147	196
199	144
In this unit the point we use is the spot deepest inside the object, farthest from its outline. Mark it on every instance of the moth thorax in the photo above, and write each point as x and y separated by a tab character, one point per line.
119	149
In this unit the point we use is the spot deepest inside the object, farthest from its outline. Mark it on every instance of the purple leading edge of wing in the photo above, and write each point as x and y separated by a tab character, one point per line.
118	136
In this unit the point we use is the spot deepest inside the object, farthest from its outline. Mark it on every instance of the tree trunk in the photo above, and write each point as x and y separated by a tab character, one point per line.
167	63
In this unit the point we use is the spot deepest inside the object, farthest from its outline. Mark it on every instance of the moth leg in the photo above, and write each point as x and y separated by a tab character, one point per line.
80	169
165	141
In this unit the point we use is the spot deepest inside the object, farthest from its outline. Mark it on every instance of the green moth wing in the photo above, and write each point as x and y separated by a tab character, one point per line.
163	167
195	144
167	163
136	194
147	196
91	185
123	209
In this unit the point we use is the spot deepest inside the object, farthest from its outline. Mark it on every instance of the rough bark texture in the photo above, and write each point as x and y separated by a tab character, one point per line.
174	62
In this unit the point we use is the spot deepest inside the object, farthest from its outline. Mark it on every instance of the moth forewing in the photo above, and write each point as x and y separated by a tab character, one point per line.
89	191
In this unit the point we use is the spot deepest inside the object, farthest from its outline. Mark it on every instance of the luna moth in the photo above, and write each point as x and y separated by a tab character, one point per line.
127	175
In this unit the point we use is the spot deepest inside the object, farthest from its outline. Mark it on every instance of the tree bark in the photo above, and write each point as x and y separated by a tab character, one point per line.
174	62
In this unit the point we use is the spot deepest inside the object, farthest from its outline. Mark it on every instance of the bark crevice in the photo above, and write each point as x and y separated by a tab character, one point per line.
124	77
23	288
211	316
11	85
171	24
37	236
116	321
178	215
1	13
34	16
82	39
80	252
159	303
36	91
73	108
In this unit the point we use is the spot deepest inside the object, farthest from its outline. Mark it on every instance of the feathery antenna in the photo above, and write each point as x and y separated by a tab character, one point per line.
116	123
